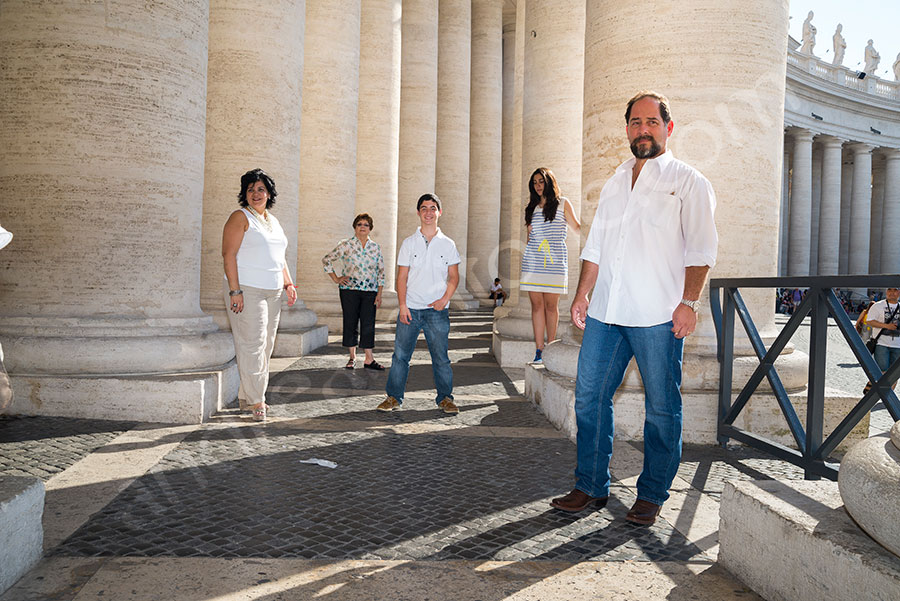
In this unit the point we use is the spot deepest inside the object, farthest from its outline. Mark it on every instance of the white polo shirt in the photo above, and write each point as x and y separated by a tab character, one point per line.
881	311
643	238
428	264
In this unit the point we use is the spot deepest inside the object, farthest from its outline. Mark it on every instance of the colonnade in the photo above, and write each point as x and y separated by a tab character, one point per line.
131	153
840	206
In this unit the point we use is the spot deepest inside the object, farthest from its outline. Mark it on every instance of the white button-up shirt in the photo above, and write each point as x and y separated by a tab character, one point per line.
428	264
643	238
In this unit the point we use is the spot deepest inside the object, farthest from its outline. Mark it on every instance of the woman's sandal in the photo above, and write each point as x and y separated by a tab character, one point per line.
350	364
374	365
259	413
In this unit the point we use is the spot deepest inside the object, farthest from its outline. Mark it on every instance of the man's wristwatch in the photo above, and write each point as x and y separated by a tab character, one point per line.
693	304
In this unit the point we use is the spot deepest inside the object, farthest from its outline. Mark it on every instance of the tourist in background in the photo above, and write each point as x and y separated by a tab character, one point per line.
884	318
256	276
359	286
545	266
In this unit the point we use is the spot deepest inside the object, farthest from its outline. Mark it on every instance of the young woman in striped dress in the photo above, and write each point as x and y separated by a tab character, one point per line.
545	269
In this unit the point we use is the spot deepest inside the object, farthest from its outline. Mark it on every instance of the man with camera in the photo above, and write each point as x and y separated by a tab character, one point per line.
884	317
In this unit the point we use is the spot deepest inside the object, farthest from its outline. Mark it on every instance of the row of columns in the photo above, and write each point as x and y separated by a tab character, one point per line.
840	206
351	105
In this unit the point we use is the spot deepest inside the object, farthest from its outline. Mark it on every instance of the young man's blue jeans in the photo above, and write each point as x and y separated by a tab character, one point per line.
436	325
885	356
605	352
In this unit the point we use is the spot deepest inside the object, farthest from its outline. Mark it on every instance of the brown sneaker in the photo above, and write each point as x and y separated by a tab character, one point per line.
643	512
389	404
448	406
578	500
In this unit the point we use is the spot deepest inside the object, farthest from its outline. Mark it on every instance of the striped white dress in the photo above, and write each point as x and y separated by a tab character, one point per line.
545	265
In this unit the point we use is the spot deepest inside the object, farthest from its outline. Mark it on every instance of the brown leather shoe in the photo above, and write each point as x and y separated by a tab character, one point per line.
448	406
577	501
389	404
643	512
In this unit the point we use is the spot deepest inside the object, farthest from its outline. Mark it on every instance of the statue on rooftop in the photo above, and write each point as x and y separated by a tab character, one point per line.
809	36
840	45
897	68
872	59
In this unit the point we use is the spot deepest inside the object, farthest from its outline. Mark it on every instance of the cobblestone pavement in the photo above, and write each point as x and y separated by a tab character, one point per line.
43	446
411	485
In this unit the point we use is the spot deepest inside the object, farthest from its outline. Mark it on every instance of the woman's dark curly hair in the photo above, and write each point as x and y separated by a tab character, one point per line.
551	194
251	177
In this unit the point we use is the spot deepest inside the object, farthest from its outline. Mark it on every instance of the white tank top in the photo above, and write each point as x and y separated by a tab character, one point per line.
260	259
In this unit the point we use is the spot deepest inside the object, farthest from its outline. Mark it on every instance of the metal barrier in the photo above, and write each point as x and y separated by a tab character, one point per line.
820	303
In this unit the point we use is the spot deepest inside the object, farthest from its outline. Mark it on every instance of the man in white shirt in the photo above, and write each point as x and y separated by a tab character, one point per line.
884	317
645	262
427	276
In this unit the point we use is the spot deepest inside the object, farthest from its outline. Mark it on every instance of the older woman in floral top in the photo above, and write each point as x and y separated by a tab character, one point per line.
360	288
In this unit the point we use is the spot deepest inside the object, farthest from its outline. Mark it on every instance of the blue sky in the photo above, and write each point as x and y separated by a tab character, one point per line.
862	20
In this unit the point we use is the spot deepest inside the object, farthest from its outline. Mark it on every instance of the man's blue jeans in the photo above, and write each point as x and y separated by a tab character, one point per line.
605	352
885	356
436	325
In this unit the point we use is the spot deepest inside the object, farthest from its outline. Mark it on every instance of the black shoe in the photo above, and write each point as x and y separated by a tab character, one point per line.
374	365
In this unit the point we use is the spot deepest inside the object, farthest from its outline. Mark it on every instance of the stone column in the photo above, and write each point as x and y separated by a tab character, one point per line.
890	225
801	203
327	146
785	209
451	172
378	137
860	212
485	154
723	116
846	195
236	57
551	137
418	110
830	212
504	261
815	207
101	180
877	214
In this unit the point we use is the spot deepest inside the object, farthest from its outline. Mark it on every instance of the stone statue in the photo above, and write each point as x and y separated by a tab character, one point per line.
897	68
809	36
840	45
872	59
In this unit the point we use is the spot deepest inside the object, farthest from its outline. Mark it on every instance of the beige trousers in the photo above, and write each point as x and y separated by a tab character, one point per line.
254	339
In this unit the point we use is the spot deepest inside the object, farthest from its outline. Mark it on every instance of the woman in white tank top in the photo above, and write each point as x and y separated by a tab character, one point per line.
256	275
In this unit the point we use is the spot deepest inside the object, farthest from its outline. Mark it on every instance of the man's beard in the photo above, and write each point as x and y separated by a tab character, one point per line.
648	153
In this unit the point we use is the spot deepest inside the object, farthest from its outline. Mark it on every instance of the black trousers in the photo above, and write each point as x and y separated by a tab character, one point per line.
358	307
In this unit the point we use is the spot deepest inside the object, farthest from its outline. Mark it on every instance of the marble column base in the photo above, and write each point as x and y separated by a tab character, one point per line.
174	398
551	387
793	541
299	330
462	300
869	481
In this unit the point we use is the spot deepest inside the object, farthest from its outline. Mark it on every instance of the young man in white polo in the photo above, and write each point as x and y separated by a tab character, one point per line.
427	276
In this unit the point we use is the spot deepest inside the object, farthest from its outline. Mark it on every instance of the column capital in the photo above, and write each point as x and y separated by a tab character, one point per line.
800	134
830	141
891	154
861	148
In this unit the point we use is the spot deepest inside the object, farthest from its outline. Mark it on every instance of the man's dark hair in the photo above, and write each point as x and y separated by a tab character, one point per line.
664	110
431	197
251	177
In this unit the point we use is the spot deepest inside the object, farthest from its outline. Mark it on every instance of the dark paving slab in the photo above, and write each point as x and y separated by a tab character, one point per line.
391	497
43	446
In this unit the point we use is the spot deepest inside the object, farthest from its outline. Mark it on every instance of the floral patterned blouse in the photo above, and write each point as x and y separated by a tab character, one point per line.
364	265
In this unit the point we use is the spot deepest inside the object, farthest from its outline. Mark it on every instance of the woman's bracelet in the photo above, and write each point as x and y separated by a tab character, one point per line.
237	292
286	286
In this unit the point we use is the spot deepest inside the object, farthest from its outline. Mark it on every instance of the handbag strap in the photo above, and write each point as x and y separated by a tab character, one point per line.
890	317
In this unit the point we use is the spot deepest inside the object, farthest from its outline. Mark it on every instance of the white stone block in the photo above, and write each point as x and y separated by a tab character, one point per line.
793	541
21	532
512	352
296	343
176	399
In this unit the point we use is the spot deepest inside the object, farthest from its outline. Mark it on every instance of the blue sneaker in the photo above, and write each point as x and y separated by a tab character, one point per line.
537	356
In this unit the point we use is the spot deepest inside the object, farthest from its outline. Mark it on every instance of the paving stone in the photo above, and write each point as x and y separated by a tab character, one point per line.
44	446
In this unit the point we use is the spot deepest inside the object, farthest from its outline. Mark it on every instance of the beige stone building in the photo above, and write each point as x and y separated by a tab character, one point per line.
126	127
